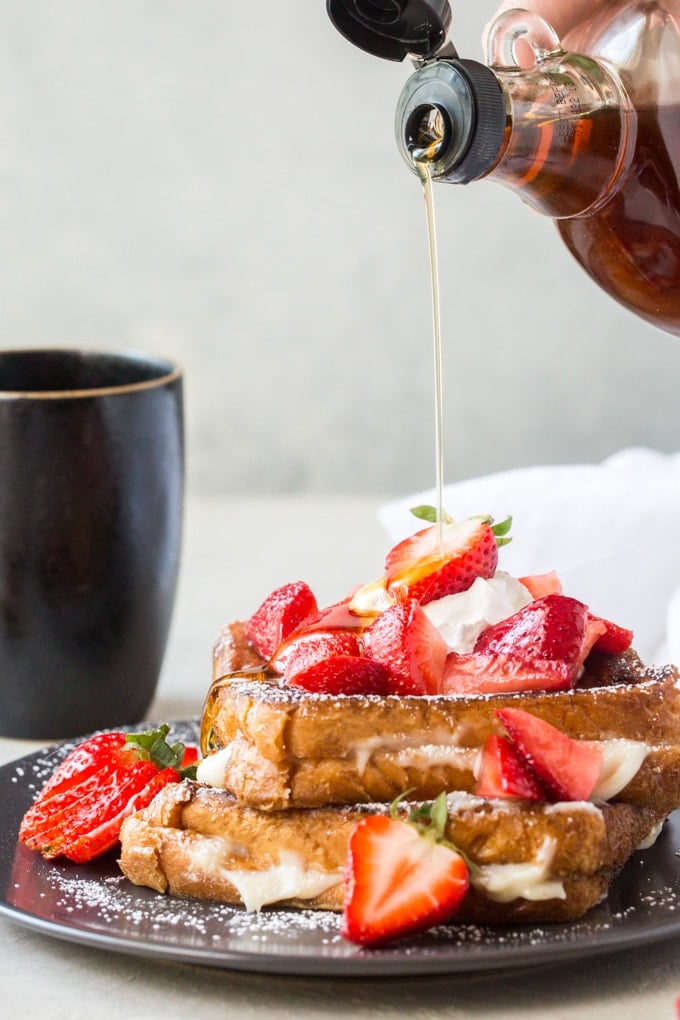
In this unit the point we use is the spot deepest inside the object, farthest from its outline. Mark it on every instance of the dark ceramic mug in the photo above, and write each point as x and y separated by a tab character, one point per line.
91	498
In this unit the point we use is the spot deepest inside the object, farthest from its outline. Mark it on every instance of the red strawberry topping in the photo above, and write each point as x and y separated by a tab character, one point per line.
613	639
405	640
344	674
425	568
540	647
401	877
298	653
568	768
503	772
280	614
539	585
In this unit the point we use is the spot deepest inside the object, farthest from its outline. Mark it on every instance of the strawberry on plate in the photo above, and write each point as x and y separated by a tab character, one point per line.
401	877
568	768
79	811
540	647
503	772
435	561
282	612
405	640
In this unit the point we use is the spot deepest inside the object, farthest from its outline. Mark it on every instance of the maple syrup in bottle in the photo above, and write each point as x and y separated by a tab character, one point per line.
588	135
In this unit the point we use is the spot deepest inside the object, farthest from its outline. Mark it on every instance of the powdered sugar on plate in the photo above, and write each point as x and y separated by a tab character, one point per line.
96	905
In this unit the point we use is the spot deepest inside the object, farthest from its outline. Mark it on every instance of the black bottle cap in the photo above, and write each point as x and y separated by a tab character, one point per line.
393	29
490	122
470	100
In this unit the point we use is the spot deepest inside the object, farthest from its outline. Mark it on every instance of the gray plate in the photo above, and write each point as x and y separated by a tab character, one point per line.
94	905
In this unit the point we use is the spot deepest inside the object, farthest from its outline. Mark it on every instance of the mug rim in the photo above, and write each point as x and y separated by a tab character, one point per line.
128	354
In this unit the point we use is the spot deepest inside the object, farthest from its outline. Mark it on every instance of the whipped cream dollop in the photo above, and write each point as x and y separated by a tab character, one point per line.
461	618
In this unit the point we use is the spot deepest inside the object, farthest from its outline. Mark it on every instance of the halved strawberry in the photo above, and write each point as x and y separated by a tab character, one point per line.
344	674
427	568
401	877
279	615
540	647
409	644
302	651
569	768
502	772
613	639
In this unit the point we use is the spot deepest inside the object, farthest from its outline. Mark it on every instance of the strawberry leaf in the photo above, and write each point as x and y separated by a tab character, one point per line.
501	530
151	745
430	514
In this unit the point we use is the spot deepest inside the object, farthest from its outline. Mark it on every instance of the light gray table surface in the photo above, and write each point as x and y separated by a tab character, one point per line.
235	551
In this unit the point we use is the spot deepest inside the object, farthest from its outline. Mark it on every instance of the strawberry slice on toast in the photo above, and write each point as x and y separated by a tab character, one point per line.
406	641
282	612
344	674
568	768
504	772
309	647
540	647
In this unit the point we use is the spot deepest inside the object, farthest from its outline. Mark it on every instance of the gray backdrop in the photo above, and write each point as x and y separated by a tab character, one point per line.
218	181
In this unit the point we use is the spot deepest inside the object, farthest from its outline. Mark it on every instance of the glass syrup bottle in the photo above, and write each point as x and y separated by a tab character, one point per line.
588	135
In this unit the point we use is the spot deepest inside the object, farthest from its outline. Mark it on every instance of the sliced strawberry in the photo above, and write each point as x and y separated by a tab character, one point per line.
569	768
498	673
279	615
57	822
429	569
85	759
303	651
613	639
548	629
400	880
345	674
540	647
337	616
504	773
78	812
540	585
105	832
409	644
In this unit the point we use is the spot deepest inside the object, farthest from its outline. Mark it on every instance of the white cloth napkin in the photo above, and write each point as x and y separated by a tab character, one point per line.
611	531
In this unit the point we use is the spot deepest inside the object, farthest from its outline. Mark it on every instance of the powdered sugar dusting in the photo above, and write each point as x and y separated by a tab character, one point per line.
98	900
112	900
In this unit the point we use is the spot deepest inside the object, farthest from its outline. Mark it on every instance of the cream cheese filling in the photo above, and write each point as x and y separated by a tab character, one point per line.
526	880
621	758
287	880
621	761
211	769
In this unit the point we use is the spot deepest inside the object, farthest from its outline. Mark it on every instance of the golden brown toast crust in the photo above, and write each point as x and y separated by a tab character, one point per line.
190	837
290	748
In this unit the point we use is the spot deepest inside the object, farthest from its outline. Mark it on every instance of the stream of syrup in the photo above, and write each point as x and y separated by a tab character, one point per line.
424	172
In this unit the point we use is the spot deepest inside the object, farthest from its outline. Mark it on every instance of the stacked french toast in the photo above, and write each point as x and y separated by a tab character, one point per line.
446	744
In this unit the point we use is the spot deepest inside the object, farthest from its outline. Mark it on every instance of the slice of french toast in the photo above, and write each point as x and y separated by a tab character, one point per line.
285	747
529	862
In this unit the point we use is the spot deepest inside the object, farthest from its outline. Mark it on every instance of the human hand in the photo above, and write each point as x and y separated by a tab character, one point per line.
561	14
